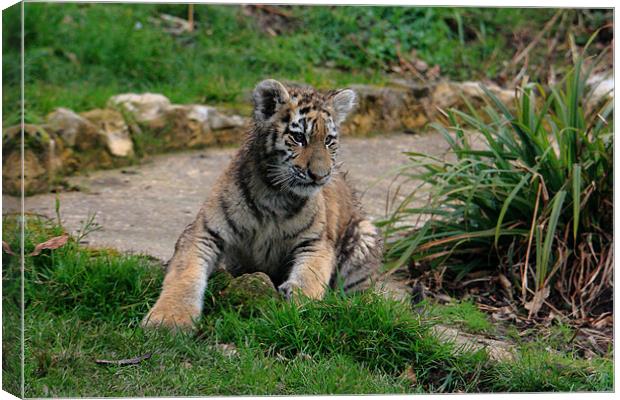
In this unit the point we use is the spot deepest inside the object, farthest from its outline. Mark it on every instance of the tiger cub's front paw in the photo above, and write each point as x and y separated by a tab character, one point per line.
174	318
289	288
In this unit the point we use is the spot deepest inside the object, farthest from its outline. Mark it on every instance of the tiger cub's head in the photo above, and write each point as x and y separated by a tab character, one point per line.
298	130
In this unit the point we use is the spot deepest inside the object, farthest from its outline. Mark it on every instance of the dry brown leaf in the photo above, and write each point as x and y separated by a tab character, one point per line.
505	283
7	249
409	373
536	303
604	322
434	72
504	314
444	298
51	244
227	349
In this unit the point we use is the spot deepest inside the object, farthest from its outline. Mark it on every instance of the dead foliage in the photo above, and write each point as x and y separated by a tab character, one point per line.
270	19
51	244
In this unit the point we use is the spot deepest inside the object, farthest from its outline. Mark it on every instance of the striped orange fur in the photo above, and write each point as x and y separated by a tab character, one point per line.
282	207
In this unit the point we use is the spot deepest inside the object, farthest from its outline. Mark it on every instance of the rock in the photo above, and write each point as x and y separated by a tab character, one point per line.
82	141
474	91
36	179
114	130
248	292
385	110
219	121
102	138
148	108
496	349
74	130
90	139
175	25
187	127
196	125
602	87
420	65
41	159
409	106
401	107
244	294
444	96
227	349
219	280
447	95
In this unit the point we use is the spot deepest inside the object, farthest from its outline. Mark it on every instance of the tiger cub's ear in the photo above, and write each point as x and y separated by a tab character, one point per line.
268	96
343	102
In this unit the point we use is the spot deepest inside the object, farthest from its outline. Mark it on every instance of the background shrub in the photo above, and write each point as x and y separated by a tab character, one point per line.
528	196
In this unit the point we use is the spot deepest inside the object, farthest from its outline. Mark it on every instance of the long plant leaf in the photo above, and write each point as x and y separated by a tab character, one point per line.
576	198
556	209
506	204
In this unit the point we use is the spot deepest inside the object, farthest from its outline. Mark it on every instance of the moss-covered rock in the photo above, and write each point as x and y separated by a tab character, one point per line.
146	108
113	129
41	159
197	126
385	109
244	294
94	139
219	281
76	132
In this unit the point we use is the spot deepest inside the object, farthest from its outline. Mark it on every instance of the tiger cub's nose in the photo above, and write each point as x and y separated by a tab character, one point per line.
318	177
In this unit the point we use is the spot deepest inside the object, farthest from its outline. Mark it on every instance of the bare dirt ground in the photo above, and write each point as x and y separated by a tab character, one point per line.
144	208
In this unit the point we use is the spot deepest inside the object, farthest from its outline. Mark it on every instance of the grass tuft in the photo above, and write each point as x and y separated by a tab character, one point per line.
464	314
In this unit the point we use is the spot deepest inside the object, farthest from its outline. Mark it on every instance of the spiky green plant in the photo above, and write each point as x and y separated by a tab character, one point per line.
529	194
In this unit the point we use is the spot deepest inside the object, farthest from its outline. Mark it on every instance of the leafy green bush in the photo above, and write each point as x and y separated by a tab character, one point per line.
532	199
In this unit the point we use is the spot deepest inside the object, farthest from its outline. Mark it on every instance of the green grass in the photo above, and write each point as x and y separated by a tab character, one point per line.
213	68
84	304
78	55
464	314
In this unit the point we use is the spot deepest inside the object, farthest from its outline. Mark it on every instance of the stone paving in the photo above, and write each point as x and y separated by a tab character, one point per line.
144	208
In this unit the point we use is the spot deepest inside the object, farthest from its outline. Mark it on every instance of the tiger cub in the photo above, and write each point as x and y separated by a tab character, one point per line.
281	207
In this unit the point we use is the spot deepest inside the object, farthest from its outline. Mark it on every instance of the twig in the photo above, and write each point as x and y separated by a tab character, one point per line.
469	282
7	248
126	361
534	42
577	331
529	246
190	17
408	66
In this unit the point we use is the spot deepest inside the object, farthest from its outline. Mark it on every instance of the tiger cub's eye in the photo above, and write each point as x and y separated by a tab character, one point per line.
299	137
